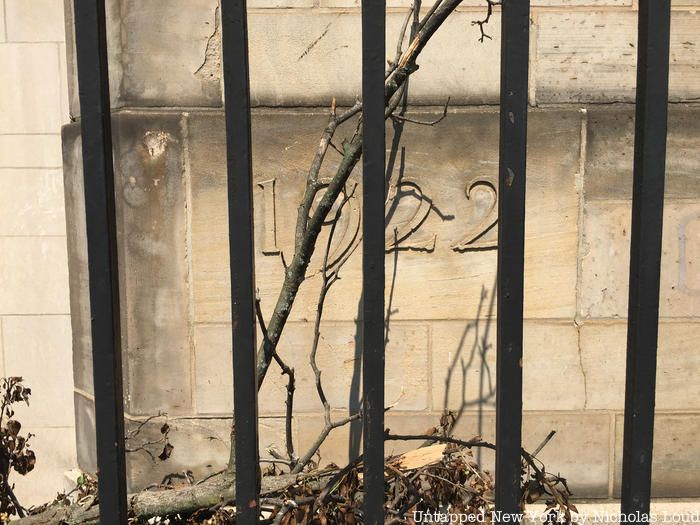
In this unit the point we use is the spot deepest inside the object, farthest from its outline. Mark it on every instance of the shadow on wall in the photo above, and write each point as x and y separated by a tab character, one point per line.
467	356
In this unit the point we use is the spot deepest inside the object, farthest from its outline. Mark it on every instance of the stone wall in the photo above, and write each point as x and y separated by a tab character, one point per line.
172	225
166	53
35	330
441	350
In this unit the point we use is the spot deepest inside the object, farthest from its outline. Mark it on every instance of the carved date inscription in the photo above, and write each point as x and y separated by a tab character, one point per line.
408	209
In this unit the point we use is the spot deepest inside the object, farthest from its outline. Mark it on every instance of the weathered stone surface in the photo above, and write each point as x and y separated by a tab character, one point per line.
590	3
675	470
36	107
85	432
76	240
315	55
338	357
586	55
150	188
605	262
34	350
114	47
201	445
160	74
432	281
591	56
610	151
281	4
607	215
579	450
603	348
463	359
153	266
573	380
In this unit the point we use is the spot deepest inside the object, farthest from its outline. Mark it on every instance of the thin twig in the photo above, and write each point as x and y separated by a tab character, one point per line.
481	23
402	118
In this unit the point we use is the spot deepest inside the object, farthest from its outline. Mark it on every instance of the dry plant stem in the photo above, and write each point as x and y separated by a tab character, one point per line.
481	23
308	226
291	386
328	279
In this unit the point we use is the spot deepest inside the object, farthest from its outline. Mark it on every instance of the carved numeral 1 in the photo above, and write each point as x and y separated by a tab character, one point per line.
269	241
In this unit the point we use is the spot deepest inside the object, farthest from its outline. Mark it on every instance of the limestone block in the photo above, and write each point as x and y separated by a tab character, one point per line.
85	432
33	275
592	3
479	6
114	45
603	350
163	51
591	56
338	357
281	4
34	21
438	273
313	57
607	215
76	240
31	202
610	150
605	262
464	366
55	452
150	189
30	151
151	222
29	106
675	470
201	445
38	348
579	450
318	57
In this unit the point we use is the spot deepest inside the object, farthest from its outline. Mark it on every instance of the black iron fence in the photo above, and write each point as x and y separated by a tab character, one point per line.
645	260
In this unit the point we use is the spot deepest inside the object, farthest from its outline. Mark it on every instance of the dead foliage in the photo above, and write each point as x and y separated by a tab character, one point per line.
433	482
15	452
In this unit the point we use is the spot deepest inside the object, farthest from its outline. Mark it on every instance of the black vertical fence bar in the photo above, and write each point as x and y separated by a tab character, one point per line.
515	24
645	252
373	64
241	250
98	175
